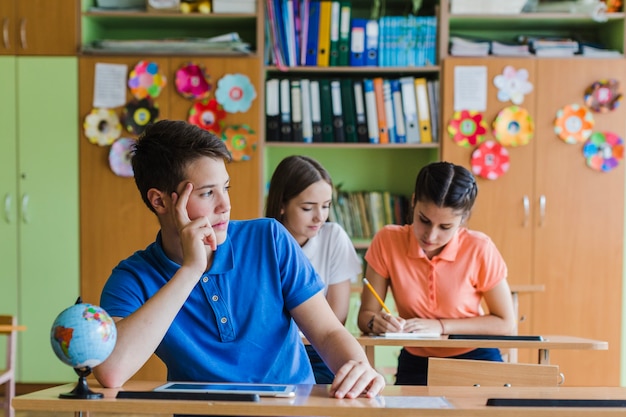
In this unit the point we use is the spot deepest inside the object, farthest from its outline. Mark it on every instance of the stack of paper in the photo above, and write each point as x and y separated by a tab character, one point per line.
504	49
469	47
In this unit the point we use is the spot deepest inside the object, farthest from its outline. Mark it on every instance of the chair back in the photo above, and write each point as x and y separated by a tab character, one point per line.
464	372
7	374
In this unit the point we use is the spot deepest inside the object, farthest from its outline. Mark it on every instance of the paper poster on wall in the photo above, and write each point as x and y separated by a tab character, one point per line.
470	88
110	85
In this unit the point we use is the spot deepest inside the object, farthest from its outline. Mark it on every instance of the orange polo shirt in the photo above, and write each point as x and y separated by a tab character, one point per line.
450	285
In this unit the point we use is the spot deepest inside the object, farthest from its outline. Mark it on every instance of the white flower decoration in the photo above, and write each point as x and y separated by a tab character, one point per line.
512	85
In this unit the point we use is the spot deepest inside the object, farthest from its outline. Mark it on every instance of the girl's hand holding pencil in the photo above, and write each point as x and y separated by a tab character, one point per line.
388	323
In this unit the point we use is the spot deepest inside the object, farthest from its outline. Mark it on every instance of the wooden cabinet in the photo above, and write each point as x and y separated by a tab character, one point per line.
114	220
556	221
39	27
39	188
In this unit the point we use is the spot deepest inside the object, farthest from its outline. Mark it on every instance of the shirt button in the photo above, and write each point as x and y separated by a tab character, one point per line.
223	320
215	298
205	279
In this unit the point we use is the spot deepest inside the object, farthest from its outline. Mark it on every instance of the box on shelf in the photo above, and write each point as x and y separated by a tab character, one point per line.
234	6
163	5
486	6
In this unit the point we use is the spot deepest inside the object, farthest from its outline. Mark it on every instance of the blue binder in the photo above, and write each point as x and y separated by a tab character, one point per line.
371	43
357	42
314	24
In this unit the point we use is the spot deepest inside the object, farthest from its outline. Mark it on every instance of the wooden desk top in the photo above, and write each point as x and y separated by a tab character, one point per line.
549	342
5	328
314	401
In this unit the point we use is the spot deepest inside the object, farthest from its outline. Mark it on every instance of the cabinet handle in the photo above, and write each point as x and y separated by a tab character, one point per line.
23	33
5	33
542	209
7	209
526	203
25	217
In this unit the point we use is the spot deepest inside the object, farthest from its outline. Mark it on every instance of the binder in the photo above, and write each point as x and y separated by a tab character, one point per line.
303	39
316	111
296	111
381	118
371	112
323	39
290	33
371	43
312	36
389	114
357	43
326	110
349	111
307	122
398	111
433	101
337	111
359	111
409	105
344	33
423	110
285	111
335	16
272	110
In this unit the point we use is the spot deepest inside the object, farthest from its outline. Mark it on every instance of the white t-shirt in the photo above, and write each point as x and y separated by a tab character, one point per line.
333	256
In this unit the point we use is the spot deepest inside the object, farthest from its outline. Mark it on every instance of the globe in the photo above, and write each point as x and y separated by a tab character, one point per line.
83	336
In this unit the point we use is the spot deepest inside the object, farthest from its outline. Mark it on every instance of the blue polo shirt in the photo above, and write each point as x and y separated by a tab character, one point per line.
235	326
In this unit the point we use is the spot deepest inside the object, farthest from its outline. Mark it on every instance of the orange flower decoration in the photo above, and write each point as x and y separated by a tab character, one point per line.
467	128
513	126
240	141
573	124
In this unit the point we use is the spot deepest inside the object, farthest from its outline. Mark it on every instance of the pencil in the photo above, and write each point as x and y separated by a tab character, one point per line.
373	291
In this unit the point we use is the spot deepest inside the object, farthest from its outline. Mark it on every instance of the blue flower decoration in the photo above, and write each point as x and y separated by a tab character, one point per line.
235	93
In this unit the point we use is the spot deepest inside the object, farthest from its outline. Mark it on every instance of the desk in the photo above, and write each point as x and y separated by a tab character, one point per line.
314	401
544	346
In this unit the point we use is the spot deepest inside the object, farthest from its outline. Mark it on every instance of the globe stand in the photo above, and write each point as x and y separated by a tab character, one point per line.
81	391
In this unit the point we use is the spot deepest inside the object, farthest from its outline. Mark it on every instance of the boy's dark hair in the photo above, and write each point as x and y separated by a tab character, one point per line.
292	176
446	185
163	152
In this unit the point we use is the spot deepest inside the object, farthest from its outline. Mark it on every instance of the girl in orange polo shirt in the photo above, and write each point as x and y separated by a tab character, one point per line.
438	272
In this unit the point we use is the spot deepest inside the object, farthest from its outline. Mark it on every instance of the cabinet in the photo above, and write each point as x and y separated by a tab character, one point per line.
39	189
114	220
569	235
39	27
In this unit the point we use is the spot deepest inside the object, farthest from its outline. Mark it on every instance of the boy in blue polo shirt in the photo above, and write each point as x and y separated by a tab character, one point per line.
215	298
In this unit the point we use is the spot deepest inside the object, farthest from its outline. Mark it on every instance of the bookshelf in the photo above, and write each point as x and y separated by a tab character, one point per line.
371	166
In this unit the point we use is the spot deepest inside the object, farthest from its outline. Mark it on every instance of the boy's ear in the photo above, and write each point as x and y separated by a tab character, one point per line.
156	200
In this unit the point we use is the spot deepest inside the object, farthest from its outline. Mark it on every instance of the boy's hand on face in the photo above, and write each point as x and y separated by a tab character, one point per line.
195	235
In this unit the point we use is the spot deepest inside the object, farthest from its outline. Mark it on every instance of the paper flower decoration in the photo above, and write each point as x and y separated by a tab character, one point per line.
235	93
512	84
145	80
120	155
603	151
490	160
240	141
207	114
192	82
603	96
513	126
467	128
137	114
102	126
573	124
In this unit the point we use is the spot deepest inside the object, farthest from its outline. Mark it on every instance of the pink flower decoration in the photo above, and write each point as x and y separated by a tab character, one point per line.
207	114
192	82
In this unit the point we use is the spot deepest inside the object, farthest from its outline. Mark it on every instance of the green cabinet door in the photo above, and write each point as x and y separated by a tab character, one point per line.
8	189
47	149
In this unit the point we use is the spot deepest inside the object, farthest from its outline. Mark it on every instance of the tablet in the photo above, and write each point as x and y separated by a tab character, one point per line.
495	337
262	390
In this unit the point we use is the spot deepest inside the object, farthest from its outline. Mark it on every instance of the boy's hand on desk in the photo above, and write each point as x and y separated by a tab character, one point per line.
356	378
